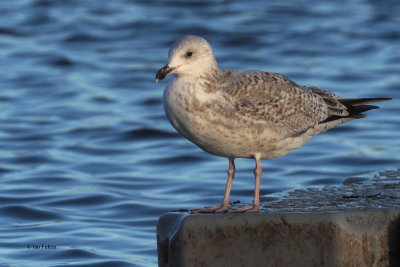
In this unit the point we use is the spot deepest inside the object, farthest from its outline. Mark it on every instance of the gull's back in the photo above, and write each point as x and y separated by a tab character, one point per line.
273	98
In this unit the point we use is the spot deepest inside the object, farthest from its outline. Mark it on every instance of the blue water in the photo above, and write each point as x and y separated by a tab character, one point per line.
88	160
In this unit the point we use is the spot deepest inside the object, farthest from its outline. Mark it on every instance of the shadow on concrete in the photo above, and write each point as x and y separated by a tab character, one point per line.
394	242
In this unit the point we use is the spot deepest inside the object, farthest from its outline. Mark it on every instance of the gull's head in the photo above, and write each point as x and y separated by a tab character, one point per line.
190	56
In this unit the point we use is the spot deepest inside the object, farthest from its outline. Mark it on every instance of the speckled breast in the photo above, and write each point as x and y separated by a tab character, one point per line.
210	122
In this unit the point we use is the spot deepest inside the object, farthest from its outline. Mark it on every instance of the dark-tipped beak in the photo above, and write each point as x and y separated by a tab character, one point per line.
163	72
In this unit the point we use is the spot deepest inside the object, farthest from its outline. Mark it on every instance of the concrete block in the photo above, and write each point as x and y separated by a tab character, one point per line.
355	224
361	238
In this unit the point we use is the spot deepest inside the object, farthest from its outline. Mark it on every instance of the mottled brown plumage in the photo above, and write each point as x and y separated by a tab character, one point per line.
246	114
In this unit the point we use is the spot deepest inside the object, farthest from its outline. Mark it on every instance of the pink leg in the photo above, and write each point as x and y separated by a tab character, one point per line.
256	202
225	202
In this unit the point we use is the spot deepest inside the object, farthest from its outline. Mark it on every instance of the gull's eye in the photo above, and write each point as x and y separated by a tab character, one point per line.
189	54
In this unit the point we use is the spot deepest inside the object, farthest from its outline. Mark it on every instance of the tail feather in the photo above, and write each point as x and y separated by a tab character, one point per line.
357	106
357	110
355	102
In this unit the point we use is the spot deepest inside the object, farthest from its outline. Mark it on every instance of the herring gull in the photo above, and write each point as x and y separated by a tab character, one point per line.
245	114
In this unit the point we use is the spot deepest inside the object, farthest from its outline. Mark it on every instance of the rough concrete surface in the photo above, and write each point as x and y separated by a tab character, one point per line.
356	224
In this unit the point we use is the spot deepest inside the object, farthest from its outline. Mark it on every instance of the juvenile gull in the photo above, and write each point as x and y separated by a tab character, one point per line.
245	114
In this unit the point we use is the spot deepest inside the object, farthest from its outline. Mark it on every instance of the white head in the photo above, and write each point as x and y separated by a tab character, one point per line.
190	56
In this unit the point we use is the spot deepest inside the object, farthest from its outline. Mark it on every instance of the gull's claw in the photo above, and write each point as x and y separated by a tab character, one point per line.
251	209
216	209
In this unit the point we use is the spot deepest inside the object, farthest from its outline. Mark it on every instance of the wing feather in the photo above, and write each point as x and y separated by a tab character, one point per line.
272	97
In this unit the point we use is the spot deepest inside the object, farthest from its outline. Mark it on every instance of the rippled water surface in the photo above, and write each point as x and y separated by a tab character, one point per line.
88	160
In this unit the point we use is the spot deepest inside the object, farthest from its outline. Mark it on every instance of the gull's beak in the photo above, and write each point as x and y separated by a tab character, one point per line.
164	72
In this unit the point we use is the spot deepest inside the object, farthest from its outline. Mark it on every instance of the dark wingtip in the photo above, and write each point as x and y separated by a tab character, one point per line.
356	107
359	105
362	101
